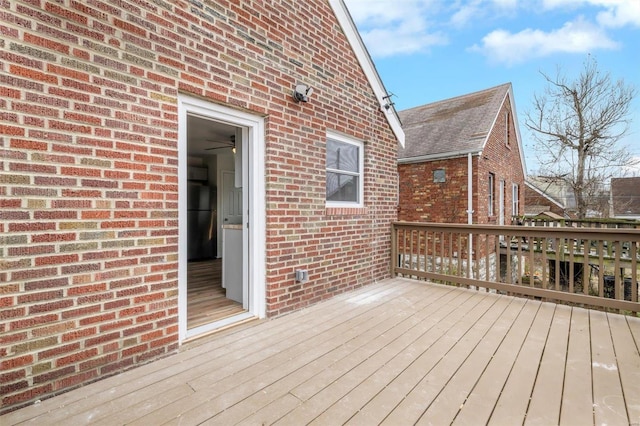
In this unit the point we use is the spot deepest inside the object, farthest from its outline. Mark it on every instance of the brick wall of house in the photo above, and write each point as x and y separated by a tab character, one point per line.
502	159
424	200
88	171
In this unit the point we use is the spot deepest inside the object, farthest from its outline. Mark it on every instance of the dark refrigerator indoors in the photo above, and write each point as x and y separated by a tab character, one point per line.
201	222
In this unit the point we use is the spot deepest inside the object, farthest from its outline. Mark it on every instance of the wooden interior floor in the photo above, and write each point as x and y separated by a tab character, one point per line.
206	300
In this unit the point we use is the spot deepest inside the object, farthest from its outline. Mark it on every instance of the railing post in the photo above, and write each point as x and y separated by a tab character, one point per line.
394	249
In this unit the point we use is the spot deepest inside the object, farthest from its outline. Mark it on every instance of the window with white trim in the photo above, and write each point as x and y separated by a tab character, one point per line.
515	200
344	166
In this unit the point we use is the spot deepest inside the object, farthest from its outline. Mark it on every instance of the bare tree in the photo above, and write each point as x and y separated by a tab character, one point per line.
577	125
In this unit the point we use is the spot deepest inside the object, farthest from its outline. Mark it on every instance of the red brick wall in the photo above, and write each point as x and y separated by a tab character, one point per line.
88	171
423	200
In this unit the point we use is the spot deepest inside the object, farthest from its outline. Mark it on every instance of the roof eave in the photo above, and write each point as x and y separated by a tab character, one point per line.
440	156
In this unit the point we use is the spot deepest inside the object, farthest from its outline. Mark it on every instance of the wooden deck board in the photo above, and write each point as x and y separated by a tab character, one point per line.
608	399
577	400
225	386
167	372
395	352
284	366
433	349
404	349
628	361
340	356
452	397
435	379
478	406
546	398
513	402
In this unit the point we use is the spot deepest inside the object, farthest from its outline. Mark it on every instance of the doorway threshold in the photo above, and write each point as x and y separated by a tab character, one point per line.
206	329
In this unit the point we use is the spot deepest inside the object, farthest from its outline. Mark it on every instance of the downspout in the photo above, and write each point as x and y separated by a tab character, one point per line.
469	212
470	190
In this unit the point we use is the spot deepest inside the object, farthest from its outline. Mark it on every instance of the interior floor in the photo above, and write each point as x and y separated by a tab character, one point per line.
206	300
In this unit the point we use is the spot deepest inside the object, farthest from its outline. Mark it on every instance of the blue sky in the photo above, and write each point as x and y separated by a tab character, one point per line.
429	50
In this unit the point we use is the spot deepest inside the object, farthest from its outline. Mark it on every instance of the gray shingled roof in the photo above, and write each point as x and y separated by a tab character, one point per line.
625	195
452	126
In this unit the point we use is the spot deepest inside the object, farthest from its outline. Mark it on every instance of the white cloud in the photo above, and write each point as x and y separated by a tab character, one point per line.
574	37
469	12
620	13
391	28
466	14
616	13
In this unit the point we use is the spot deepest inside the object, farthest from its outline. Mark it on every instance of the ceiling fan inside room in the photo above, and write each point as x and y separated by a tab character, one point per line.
205	135
218	144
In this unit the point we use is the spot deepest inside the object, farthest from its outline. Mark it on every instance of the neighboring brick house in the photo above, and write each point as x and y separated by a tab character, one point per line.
625	198
447	141
100	104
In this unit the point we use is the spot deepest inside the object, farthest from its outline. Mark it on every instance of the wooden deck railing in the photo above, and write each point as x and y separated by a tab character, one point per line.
595	267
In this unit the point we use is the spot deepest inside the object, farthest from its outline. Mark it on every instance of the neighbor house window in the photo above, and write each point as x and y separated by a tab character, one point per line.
507	127
439	176
515	200
345	160
491	200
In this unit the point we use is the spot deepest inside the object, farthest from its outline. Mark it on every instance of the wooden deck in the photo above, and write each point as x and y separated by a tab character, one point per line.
397	352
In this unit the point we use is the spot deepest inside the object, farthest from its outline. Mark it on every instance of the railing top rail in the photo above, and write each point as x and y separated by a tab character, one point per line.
600	233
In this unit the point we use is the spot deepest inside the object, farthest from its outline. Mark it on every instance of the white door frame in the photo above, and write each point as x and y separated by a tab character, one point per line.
254	225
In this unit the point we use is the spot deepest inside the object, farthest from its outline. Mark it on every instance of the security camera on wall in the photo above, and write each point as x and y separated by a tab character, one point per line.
302	92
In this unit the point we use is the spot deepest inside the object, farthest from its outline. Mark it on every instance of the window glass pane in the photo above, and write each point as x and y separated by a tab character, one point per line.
342	187
342	156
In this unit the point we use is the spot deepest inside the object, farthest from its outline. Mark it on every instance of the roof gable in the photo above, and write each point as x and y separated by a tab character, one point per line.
455	126
351	33
532	186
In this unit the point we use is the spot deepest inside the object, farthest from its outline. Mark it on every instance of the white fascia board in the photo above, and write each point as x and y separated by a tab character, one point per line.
351	32
514	116
441	156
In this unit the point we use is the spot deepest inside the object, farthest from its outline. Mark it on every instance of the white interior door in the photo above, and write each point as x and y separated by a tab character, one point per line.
231	200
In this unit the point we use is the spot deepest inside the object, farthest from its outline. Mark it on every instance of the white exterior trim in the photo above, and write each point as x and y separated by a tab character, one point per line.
361	177
441	156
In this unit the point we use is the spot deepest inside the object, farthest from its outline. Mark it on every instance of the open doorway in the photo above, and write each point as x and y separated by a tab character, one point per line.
214	271
217	150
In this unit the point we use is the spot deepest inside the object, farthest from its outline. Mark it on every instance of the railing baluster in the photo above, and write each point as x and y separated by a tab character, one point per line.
619	281
570	248
586	267
486	260
600	269
545	280
634	271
